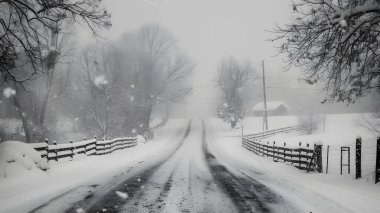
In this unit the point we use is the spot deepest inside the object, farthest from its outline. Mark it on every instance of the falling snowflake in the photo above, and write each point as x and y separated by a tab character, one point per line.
100	81
343	23
132	98
132	86
79	210
141	125
133	130
76	119
122	195
8	92
225	105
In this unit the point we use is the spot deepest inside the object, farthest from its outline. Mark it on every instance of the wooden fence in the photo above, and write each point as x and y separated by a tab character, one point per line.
273	132
304	158
86	147
148	135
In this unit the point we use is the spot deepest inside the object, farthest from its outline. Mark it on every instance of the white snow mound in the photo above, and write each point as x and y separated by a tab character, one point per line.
140	139
17	158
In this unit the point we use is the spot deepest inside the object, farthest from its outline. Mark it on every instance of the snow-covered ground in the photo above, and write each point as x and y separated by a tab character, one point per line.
193	169
33	188
340	130
311	192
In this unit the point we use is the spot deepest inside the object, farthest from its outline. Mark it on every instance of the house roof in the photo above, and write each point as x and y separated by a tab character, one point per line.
271	105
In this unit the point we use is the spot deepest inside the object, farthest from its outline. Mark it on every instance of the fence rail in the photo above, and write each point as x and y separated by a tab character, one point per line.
302	158
298	157
86	147
272	132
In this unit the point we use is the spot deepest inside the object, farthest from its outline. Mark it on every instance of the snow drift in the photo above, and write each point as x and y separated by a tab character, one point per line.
18	158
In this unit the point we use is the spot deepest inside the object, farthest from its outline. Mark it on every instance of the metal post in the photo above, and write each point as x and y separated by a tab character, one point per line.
358	158
341	161
327	160
265	100
349	160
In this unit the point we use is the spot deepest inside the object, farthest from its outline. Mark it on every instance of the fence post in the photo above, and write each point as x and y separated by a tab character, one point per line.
358	158
72	150
96	146
242	133
47	149
318	150
377	176
299	155
56	152
327	160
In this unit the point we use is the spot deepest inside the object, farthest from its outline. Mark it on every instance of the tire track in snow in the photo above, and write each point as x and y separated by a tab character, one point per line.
247	194
134	186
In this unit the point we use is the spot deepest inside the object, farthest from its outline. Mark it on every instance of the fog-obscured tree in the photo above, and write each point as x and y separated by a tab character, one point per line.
371	120
232	77
94	89
28	31
21	24
336	42
309	121
159	73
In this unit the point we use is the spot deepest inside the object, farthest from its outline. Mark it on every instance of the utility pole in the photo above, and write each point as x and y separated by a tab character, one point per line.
265	101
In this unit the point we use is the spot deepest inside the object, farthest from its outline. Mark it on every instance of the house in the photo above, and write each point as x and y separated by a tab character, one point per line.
274	108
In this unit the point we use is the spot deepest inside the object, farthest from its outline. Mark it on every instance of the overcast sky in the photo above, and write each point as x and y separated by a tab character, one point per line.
210	30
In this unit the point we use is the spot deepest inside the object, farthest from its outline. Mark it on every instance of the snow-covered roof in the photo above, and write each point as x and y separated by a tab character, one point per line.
271	105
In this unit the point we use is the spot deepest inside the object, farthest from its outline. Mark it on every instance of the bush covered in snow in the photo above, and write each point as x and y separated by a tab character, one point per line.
310	122
140	139
17	158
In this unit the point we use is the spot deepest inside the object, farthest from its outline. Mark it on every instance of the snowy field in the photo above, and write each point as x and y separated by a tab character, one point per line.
340	130
310	191
29	189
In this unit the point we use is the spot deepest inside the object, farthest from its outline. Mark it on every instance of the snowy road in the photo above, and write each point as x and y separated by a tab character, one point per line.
196	173
190	179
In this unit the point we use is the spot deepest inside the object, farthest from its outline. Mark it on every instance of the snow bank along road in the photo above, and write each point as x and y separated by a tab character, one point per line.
193	177
190	179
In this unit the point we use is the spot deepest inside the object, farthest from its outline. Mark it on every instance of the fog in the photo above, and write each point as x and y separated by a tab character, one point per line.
212	30
189	106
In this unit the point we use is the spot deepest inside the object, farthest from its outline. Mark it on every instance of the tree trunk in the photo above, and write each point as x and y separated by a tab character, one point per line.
233	124
45	99
23	119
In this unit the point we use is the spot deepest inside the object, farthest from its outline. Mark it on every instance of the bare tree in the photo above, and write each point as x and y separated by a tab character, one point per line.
22	22
232	77
336	42
309	121
95	87
371	121
25	28
159	67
